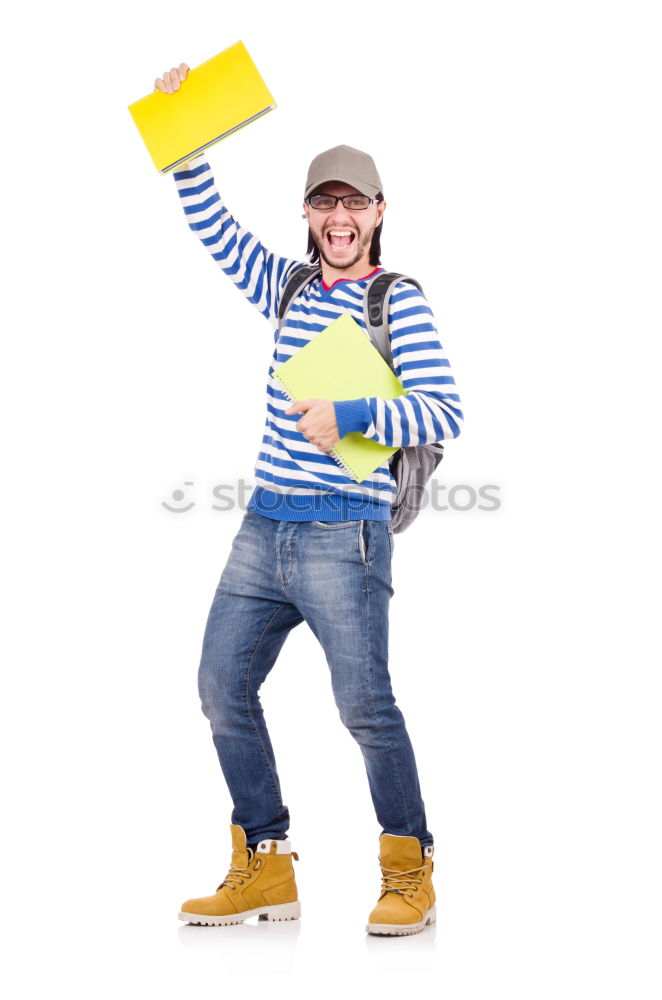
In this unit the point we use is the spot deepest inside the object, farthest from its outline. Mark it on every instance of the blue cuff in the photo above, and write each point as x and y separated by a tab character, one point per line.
352	415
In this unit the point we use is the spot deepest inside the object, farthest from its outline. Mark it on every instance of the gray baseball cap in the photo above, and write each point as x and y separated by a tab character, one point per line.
344	163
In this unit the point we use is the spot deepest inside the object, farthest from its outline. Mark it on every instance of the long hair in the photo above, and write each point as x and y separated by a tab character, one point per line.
313	252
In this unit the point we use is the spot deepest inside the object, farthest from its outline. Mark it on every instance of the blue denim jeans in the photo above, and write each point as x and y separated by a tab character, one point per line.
336	576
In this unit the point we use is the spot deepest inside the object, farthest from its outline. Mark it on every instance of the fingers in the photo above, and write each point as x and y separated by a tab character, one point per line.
171	79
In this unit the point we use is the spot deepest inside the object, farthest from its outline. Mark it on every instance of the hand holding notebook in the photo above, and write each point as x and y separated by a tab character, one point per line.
341	362
197	108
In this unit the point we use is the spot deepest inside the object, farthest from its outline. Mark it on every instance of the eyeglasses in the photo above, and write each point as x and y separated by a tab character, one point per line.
352	202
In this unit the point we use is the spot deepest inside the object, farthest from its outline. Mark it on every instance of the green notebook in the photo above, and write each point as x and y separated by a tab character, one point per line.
341	362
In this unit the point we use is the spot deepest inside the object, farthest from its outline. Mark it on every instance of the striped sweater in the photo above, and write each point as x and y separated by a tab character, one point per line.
295	481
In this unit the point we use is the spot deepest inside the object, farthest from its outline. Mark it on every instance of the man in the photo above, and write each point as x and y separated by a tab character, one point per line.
316	546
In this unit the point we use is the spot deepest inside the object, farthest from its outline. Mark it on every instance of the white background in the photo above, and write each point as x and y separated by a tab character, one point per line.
518	145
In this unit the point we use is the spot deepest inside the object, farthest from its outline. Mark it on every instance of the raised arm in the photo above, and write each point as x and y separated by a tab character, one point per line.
431	409
256	271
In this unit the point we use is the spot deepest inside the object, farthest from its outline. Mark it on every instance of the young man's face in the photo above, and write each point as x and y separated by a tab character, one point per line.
343	236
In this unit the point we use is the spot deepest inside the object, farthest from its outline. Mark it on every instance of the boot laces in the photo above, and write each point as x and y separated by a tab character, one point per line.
236	874
402	882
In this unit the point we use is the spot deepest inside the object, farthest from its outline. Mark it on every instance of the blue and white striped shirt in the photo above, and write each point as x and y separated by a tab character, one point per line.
295	480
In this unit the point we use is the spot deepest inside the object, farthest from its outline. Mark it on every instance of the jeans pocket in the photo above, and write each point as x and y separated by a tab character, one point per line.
332	525
363	541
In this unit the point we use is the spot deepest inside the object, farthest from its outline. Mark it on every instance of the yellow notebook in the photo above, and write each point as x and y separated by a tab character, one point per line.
341	362
217	97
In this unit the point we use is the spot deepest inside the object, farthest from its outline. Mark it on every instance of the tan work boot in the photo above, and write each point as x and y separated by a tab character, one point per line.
258	884
407	902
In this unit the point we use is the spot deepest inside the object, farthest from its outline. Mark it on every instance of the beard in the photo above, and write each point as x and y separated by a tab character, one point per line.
360	247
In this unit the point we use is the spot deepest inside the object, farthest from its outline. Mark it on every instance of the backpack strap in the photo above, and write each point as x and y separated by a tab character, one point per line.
296	282
375	314
375	310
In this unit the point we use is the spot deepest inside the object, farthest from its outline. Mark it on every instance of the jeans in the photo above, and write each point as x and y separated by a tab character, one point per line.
336	576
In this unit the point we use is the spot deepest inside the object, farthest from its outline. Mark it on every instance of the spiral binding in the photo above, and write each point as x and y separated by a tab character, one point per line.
344	466
347	469
199	66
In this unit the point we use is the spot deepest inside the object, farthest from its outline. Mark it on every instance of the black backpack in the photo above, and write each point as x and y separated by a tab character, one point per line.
411	466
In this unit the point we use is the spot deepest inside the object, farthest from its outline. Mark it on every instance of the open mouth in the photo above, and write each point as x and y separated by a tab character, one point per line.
339	238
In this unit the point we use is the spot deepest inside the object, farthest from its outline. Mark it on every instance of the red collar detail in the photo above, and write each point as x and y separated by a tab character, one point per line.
328	288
